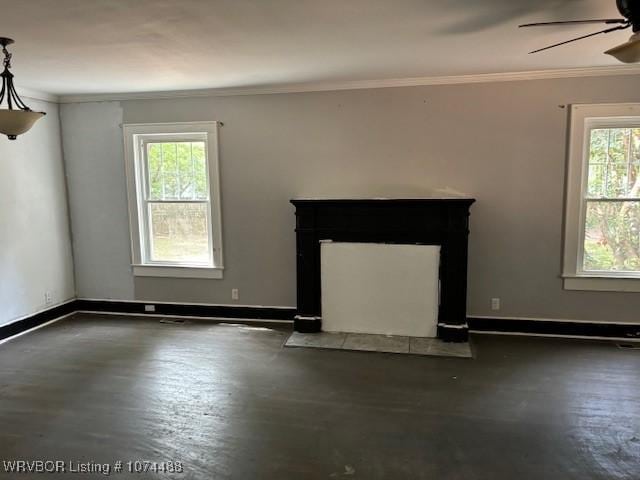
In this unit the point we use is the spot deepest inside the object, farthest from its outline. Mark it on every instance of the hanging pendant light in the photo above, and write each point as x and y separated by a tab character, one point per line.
17	118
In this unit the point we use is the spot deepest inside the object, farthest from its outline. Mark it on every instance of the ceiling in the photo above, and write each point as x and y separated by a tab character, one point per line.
112	46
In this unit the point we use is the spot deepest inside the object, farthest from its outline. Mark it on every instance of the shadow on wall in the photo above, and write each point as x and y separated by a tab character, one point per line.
479	16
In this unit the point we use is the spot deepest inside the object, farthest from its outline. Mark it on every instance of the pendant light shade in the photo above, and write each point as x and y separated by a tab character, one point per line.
17	122
16	118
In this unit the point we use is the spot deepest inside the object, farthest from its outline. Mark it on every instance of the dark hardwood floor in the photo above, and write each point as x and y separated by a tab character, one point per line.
230	403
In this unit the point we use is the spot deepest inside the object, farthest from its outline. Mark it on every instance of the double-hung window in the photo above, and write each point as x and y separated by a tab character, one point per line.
174	199
602	223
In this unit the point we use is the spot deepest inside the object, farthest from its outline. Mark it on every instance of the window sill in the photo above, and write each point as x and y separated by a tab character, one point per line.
177	272
601	283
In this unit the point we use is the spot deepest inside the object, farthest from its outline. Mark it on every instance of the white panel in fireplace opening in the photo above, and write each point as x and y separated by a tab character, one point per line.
378	288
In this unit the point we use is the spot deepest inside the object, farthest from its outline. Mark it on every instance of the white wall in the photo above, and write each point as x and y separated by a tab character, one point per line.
93	152
503	143
34	230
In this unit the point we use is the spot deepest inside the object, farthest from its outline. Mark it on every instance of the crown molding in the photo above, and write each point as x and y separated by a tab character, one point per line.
360	84
38	95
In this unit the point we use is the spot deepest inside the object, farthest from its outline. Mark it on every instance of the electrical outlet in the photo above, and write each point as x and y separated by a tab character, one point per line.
495	304
149	308
48	299
235	294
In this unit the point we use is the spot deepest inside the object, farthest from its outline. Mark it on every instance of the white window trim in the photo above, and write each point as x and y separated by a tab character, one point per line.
134	132
582	119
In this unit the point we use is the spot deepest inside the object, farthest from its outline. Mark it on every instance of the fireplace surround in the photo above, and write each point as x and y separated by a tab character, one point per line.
423	221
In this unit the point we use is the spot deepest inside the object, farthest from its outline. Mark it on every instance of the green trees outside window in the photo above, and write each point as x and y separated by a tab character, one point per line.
612	217
178	201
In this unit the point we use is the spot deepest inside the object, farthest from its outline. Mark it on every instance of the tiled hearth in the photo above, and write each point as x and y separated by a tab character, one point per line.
379	343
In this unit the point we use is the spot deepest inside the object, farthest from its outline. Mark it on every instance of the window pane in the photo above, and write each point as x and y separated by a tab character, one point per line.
169	158
177	171
200	165
154	166
170	186
635	144
618	144
614	163
612	240
597	173
617	182
598	146
179	232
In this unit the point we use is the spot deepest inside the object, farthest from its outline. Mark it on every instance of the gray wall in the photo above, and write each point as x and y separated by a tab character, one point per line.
34	230
94	157
503	143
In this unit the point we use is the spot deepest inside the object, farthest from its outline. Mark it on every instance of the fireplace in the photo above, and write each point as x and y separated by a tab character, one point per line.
421	221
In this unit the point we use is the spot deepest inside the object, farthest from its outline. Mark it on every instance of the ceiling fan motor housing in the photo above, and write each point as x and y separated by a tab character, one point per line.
630	9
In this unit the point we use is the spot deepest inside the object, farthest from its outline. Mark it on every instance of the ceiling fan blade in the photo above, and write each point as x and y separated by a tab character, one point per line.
608	30
606	21
628	52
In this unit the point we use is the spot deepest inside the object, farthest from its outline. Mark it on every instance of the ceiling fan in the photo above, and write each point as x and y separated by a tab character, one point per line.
628	52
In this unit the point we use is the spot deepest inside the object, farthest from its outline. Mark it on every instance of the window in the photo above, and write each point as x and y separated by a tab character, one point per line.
174	200
602	225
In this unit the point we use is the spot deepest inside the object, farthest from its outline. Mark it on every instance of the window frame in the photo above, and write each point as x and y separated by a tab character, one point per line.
583	119
136	137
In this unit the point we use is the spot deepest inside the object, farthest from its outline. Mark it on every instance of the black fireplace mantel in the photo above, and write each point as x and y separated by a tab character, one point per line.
424	221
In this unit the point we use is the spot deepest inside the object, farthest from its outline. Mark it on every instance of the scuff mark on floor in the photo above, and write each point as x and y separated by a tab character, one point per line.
348	471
